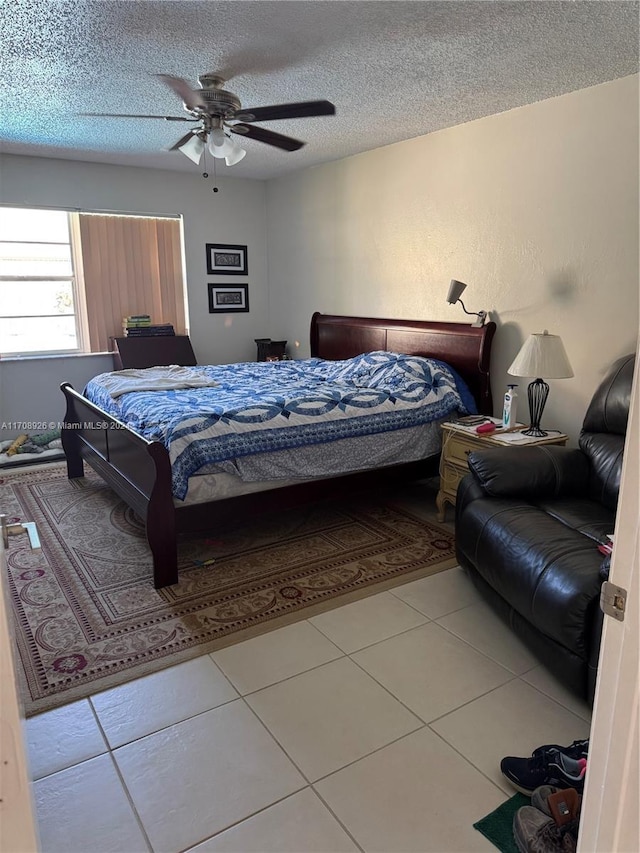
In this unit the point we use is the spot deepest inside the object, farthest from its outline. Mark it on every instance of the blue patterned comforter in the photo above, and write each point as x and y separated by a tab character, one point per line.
266	406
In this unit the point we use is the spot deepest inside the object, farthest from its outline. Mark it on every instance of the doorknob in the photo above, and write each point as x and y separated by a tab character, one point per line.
28	527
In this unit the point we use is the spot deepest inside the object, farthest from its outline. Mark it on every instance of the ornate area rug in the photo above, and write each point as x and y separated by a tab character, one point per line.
88	618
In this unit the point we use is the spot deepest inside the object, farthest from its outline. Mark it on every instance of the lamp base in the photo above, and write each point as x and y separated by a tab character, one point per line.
538	433
538	391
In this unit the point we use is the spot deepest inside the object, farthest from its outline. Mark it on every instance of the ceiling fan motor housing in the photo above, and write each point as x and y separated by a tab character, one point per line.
219	102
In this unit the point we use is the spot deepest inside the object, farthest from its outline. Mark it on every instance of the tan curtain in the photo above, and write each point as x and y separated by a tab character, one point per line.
131	265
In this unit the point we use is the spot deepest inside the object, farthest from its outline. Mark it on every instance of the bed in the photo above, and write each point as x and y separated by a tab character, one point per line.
139	470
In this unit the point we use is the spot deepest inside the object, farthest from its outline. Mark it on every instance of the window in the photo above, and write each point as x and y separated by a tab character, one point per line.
68	279
37	283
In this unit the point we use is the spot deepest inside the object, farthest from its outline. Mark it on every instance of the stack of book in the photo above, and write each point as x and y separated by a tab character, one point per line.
140	325
135	321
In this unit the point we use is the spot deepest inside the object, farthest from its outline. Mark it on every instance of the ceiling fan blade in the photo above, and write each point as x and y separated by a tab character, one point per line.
303	109
261	134
127	115
181	141
190	97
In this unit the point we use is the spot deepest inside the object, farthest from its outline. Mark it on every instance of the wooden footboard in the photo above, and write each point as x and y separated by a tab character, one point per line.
138	471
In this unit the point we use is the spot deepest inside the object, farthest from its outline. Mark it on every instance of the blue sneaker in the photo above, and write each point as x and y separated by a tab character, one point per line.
547	767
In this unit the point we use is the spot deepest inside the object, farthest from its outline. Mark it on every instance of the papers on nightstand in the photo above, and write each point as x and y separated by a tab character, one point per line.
513	437
519	438
472	427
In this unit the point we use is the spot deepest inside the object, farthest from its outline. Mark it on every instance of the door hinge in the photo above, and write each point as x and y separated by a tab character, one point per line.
613	600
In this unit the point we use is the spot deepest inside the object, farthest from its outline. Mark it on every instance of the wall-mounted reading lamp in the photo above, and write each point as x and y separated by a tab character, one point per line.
455	292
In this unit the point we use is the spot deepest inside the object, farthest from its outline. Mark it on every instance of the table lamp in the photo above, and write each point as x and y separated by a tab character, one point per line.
540	355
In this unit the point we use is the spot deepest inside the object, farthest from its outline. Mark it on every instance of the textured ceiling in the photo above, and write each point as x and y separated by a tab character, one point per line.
394	70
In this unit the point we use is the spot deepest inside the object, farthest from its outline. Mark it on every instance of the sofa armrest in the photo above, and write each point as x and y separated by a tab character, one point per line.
533	473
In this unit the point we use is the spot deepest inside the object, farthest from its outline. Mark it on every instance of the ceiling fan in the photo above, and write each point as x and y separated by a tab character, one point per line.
218	113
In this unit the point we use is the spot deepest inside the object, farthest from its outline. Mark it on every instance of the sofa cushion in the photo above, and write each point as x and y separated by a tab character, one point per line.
605	455
608	410
588	517
603	431
531	473
544	569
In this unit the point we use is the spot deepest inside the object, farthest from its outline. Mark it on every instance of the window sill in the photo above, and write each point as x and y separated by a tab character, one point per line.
49	356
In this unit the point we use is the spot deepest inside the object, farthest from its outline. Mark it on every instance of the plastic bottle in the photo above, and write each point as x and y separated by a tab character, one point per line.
510	406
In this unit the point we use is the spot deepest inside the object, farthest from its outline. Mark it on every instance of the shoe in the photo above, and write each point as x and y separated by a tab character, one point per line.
547	768
540	796
535	832
578	749
562	804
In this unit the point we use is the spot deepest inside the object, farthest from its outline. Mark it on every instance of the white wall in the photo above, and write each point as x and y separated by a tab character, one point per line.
236	214
536	209
30	396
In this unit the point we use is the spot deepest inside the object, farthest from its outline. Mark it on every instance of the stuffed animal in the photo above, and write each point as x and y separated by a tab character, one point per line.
30	447
45	437
16	445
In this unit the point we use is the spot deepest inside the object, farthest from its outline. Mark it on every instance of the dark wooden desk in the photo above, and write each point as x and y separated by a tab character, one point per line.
143	352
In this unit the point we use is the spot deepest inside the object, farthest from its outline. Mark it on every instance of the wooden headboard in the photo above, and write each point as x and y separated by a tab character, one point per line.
466	348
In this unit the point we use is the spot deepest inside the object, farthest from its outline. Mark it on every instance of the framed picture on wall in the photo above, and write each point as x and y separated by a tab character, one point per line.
227	259
228	298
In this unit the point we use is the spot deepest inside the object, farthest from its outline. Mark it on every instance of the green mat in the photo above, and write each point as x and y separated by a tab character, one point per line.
498	826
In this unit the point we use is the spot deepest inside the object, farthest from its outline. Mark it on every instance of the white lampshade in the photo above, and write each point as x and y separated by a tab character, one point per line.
456	289
544	356
235	155
223	147
193	148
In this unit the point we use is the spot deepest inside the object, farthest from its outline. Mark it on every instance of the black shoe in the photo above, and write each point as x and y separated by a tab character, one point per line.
550	767
578	749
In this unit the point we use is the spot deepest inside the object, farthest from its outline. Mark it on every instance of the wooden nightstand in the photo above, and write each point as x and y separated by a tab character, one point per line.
457	444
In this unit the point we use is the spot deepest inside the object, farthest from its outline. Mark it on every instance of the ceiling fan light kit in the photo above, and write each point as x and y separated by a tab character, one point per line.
224	148
219	114
193	148
235	155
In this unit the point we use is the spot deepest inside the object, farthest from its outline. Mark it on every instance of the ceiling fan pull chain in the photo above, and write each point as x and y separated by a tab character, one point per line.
215	179
205	174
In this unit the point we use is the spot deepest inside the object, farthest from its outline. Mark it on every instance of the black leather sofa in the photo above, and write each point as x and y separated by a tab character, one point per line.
528	523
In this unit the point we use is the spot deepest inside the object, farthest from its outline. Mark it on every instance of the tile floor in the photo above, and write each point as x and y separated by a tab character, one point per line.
377	726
